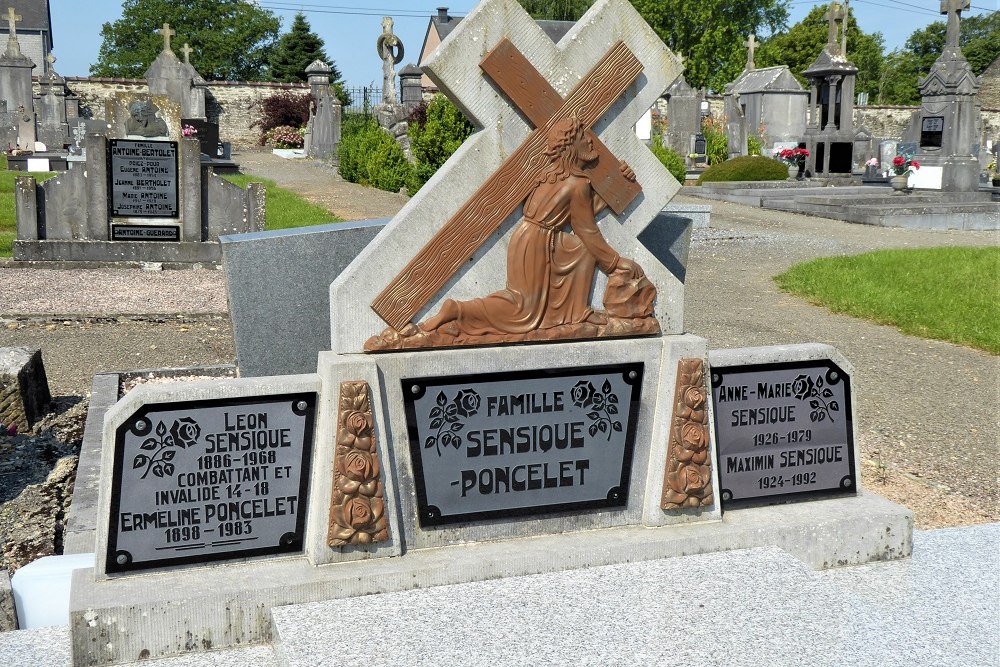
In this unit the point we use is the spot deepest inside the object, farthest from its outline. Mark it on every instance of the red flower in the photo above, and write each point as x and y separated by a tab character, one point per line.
898	161
914	164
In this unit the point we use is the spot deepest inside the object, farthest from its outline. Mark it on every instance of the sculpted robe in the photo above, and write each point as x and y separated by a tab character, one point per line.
550	272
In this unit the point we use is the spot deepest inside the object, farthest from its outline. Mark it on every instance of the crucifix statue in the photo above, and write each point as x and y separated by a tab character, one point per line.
953	8
751	44
167	34
186	50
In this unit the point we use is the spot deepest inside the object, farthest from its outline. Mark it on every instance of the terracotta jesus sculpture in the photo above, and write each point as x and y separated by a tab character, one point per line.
550	272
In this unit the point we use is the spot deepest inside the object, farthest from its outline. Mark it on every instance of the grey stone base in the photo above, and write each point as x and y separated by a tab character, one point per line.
869	205
115	251
200	609
749	607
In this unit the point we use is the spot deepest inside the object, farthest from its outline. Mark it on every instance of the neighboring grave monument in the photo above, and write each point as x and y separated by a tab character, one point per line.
390	51
948	144
830	133
402	469
177	80
15	90
56	111
323	131
768	103
684	117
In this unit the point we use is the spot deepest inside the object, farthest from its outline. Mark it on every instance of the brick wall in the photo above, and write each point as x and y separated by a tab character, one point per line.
231	104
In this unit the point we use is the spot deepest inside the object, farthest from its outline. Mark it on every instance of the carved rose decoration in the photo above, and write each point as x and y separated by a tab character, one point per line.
357	510
358	520
688	475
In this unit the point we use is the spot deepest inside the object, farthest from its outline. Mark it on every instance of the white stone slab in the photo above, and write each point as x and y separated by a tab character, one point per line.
455	68
926	178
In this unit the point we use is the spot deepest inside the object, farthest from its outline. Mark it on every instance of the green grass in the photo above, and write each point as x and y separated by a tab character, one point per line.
285	209
8	218
950	294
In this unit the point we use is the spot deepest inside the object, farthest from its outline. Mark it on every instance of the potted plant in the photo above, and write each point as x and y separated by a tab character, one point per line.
795	158
994	176
901	167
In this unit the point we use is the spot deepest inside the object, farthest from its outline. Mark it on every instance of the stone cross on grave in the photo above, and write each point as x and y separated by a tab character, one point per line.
834	15
953	8
167	34
186	50
517	86
751	44
12	19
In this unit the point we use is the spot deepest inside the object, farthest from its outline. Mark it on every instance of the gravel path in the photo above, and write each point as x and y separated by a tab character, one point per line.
927	411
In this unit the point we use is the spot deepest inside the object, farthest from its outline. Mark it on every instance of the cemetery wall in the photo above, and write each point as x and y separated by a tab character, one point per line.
234	105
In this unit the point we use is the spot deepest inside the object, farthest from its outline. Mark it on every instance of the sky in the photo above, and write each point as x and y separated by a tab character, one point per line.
350	28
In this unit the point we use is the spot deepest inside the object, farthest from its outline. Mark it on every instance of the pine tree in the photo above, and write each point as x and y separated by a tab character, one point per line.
296	50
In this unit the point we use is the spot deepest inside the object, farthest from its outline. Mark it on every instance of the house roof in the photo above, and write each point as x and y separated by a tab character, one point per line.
443	23
765	79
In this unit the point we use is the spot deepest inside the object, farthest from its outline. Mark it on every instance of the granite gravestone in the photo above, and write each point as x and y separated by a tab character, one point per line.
143	178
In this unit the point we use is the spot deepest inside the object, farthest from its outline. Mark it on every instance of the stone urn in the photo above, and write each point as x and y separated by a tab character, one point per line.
793	171
898	183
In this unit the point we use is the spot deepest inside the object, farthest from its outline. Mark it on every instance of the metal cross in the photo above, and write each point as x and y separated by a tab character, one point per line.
167	34
187	53
953	8
480	216
751	44
12	20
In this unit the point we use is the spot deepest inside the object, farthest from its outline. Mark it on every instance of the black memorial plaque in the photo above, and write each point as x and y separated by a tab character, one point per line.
496	445
210	480
142	178
931	131
145	233
784	432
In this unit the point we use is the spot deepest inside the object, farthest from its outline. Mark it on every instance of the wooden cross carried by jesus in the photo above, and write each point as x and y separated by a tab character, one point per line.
481	215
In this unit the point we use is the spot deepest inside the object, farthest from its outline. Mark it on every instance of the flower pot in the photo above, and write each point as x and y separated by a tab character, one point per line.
996	181
793	171
898	183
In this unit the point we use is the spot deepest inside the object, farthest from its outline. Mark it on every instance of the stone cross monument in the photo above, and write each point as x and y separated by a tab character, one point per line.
751	44
15	89
519	103
946	122
167	34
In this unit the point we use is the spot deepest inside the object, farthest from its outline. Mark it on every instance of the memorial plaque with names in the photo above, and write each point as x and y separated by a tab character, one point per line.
209	480
496	445
142	178
145	233
931	131
784	432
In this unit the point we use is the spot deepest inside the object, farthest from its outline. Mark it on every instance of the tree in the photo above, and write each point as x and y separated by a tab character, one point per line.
710	33
799	45
230	39
296	50
556	10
